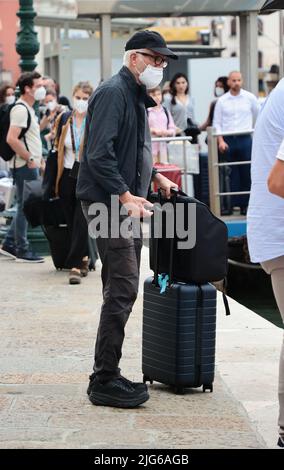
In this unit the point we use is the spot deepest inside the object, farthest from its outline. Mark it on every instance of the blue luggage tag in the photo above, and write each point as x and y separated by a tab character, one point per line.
163	282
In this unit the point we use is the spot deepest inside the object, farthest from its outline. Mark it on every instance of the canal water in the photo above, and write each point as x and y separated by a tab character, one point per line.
253	290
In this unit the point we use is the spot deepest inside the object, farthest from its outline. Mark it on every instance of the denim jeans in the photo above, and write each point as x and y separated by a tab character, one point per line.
17	234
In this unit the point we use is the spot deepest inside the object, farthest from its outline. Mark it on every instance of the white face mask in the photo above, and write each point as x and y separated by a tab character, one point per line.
219	91
80	105
51	105
151	77
40	93
10	99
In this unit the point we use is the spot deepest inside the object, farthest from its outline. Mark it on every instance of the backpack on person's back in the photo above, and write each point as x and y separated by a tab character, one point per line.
6	152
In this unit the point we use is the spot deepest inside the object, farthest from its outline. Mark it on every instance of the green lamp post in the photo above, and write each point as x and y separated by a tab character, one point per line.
27	45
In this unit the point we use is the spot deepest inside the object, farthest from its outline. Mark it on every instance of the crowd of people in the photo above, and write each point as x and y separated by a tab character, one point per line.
102	140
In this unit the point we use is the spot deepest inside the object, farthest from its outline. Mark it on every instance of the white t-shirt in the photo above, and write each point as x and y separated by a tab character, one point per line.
265	219
69	157
19	118
280	154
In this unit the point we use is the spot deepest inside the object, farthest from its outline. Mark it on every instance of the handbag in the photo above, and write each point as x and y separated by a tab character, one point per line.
192	130
50	175
51	168
185	155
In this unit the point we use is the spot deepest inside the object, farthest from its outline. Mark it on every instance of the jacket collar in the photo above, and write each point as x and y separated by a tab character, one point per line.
138	90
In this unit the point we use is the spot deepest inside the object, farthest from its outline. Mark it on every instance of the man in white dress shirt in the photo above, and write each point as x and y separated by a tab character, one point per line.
236	111
265	219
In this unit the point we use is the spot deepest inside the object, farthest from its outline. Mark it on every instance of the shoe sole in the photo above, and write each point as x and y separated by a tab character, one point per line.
73	282
142	387
7	254
21	260
100	399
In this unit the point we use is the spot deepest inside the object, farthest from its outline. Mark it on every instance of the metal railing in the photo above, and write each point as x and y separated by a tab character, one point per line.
214	165
184	170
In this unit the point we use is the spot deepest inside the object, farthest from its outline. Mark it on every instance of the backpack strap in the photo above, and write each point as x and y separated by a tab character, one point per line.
168	117
225	300
25	129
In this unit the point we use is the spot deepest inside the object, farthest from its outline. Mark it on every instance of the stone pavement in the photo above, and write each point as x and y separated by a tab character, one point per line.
47	334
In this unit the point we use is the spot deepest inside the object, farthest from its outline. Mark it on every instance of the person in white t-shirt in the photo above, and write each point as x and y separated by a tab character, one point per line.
265	218
25	165
236	111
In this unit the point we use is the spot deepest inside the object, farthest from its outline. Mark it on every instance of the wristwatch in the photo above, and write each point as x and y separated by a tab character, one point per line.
31	159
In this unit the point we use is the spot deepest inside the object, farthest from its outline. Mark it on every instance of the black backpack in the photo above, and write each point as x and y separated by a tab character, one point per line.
207	261
6	152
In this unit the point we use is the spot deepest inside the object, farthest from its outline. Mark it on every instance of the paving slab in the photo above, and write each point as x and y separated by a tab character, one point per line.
48	331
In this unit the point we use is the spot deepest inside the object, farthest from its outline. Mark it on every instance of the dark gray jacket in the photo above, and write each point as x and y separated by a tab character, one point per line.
112	160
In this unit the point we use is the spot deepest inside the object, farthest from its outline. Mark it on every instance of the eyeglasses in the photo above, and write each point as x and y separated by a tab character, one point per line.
158	60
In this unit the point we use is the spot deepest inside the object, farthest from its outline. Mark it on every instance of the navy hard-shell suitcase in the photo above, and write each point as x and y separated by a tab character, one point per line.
179	330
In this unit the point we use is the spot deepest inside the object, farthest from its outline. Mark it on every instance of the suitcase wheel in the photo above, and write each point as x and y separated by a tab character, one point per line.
208	387
178	390
147	379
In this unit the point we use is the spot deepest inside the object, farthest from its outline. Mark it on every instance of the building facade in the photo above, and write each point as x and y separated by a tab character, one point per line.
9	25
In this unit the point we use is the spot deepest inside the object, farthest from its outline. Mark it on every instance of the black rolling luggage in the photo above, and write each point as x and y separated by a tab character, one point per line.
179	328
58	240
55	229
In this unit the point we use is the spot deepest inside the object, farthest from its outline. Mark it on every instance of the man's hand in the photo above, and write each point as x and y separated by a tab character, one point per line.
136	205
32	165
165	184
223	147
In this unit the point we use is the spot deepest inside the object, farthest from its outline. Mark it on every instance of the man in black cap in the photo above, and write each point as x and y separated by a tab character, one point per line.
117	162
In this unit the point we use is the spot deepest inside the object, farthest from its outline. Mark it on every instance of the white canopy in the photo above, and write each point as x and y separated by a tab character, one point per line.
166	7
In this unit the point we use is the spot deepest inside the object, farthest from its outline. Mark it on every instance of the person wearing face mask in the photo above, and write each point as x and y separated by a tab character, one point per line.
117	165
52	111
26	163
68	143
236	111
7	94
180	104
220	88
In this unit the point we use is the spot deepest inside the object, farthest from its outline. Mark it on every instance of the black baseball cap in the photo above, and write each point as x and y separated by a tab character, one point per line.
150	40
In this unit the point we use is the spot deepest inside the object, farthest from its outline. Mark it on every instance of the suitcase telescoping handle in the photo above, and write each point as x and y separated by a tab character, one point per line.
158	213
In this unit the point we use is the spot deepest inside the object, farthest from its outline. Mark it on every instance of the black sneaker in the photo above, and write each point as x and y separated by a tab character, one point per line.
28	257
280	442
136	385
117	393
8	251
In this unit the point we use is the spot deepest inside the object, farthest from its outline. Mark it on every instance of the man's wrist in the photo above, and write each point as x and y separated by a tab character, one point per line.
125	197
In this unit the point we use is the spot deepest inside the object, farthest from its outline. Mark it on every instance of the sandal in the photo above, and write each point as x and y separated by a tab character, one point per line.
74	277
85	268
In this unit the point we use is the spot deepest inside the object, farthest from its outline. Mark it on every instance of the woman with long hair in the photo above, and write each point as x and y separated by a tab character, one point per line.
69	142
179	103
